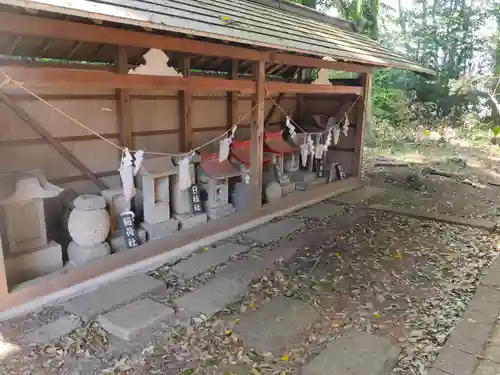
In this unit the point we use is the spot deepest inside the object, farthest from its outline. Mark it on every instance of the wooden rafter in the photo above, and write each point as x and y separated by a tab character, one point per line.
40	130
100	51
74	49
44	48
12	47
278	101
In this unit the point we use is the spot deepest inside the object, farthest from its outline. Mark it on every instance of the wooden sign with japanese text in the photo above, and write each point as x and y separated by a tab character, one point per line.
195	200
128	229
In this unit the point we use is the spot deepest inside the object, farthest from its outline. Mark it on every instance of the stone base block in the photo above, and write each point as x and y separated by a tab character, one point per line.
309	185
287	188
155	231
220	211
117	242
303	176
272	192
187	221
241	197
29	265
79	255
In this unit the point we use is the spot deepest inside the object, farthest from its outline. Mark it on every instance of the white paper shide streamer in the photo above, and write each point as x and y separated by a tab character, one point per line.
290	127
345	127
310	144
184	173
225	145
138	158
304	153
127	176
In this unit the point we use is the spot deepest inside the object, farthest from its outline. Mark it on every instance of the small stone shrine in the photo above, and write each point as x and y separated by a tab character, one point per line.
154	180
182	204
116	204
214	180
27	251
275	144
88	226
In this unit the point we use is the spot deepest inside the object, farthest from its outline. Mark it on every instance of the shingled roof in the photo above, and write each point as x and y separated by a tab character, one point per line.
270	24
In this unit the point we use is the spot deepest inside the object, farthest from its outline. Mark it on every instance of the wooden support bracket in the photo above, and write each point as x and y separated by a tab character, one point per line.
123	108
257	134
49	138
185	102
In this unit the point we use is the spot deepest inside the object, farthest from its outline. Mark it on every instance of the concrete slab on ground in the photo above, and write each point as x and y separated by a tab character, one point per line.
276	324
356	353
474	329
202	262
231	283
129	320
320	211
455	362
274	231
360	195
53	331
111	295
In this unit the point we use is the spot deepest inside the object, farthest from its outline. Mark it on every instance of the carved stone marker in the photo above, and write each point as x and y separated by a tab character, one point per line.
27	251
182	205
154	178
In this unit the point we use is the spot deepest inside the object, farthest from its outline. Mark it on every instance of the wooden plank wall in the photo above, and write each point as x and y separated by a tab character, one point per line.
156	120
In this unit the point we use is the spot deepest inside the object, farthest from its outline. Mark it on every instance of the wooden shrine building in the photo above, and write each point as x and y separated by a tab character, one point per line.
166	76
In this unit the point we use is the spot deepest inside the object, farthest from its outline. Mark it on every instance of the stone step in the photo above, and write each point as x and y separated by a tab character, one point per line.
202	262
356	353
274	231
129	320
360	195
231	283
111	295
276	325
52	331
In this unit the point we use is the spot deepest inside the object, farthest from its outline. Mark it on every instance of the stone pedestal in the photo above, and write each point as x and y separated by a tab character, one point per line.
155	179
27	251
241	197
89	226
117	241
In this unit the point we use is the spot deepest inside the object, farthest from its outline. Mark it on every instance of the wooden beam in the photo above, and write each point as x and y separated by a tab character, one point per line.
282	87
366	81
185	102
49	138
257	135
4	286
299	105
233	97
55	77
123	108
35	26
53	64
313	62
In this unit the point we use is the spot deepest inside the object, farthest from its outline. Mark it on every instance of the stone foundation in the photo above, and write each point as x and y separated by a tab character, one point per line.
29	265
79	255
117	242
188	221
220	211
308	185
156	231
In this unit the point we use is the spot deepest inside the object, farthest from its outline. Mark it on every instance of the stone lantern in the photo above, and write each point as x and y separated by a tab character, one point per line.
154	180
214	180
27	251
